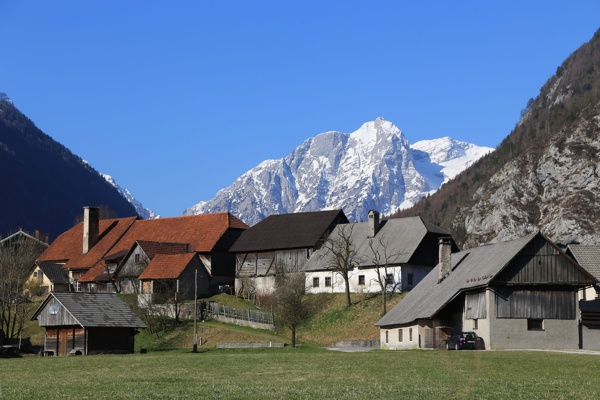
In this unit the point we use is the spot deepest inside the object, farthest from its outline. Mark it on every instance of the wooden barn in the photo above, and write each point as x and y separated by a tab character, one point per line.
87	323
520	294
284	241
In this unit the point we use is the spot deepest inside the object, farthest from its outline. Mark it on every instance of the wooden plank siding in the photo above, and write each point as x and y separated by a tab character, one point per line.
56	315
536	304
65	340
265	263
542	263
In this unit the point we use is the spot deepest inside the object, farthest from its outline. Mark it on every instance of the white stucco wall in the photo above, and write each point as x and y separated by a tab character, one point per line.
390	337
371	284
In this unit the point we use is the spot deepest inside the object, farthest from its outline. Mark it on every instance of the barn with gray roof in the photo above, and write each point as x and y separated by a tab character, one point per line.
520	294
280	242
87	323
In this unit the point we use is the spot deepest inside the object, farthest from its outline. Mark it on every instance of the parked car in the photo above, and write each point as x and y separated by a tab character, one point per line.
464	340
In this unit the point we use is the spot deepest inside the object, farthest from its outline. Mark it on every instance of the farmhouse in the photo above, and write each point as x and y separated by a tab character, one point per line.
86	323
588	256
93	251
394	253
520	294
280	242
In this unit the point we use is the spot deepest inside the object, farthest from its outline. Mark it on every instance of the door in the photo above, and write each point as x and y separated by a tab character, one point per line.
63	336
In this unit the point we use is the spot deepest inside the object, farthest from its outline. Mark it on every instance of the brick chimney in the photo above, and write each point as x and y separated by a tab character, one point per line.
373	223
91	227
445	257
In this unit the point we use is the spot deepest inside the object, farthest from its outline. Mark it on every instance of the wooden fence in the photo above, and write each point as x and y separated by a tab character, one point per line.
218	311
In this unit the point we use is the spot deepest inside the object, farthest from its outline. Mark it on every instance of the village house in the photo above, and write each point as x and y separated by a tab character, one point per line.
397	253
520	294
95	251
588	256
281	242
86	323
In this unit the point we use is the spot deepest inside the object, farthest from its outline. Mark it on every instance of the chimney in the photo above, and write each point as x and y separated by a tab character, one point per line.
445	257
91	227
373	223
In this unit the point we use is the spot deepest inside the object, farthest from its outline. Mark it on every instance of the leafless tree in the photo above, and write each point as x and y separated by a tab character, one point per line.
16	262
382	258
290	300
342	254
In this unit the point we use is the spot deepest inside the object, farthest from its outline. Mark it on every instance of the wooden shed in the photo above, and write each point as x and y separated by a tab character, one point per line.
87	323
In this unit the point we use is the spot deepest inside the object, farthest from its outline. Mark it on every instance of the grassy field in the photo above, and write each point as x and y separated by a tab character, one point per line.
304	373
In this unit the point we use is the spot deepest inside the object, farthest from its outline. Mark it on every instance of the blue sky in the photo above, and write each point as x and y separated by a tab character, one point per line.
175	100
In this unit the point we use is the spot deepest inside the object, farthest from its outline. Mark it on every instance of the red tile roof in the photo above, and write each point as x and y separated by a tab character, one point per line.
167	266
68	247
202	232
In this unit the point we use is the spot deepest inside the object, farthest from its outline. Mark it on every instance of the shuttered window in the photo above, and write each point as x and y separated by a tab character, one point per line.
475	304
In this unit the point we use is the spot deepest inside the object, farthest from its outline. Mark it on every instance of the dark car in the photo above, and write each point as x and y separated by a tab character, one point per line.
464	340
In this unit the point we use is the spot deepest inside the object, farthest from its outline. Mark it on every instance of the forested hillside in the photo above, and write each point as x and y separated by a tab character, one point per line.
544	174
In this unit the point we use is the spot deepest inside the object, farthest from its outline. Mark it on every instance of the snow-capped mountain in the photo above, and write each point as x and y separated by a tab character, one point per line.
4	97
143	212
373	168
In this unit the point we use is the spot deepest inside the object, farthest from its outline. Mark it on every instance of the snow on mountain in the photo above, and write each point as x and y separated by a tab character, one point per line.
452	155
143	212
373	168
4	97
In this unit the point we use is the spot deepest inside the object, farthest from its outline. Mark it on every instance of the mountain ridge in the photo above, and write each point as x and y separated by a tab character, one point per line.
373	167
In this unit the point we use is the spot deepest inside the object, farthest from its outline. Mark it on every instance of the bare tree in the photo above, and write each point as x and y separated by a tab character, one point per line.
343	256
17	258
290	300
382	258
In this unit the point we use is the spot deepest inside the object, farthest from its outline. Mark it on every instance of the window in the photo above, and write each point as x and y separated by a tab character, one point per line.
535	324
327	281
400	335
475	324
137	258
389	279
410	334
409	279
53	309
316	282
386	336
40	277
361	280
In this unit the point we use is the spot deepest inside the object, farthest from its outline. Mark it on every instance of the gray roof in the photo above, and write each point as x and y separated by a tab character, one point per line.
95	309
288	231
54	272
587	256
471	269
399	238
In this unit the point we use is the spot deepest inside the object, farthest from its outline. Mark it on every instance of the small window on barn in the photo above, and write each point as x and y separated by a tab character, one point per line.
475	324
40	277
316	282
387	336
410	334
137	258
535	324
409	279
361	280
400	335
327	281
53	309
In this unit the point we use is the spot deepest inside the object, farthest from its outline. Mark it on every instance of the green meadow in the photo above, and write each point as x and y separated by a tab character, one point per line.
304	373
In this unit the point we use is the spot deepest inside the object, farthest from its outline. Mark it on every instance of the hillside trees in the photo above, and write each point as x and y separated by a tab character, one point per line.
381	256
343	253
290	301
16	261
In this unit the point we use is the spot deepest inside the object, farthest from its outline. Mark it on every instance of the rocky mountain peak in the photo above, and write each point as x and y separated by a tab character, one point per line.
373	167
